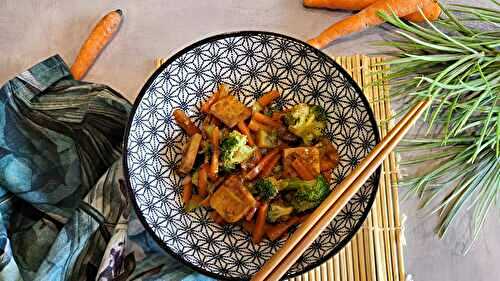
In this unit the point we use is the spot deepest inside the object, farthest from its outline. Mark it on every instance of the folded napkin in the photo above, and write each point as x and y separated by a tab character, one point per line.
64	209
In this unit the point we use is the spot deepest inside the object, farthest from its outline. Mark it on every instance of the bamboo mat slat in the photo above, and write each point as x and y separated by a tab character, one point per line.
376	252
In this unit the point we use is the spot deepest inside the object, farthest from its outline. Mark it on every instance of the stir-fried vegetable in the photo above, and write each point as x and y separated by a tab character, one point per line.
264	174
306	122
234	150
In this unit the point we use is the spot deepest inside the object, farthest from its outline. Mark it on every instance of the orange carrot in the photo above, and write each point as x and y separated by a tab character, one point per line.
98	38
268	169
258	232
186	124
244	130
265	120
268	98
214	164
252	174
302	170
205	106
187	192
431	11
326	164
366	18
250	214
203	180
274	232
248	226
256	126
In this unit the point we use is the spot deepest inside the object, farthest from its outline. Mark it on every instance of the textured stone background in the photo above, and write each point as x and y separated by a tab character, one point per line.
33	30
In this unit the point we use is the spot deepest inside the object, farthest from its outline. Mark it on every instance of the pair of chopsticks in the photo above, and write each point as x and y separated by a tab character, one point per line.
312	227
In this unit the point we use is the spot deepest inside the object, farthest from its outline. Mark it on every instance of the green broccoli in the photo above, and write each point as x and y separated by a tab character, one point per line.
306	194
306	121
278	212
234	150
266	188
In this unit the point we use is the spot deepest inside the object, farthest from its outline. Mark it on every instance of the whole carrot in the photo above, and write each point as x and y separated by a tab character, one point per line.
366	18
95	43
431	11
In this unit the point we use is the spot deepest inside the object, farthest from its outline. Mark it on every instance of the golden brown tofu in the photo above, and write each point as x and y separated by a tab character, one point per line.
310	156
230	111
232	200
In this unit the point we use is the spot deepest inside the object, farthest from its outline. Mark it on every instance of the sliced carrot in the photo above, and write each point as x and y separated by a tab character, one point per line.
275	231
250	214
203	181
186	124
302	170
265	120
258	232
205	106
205	202
326	164
214	164
268	169
252	174
187	191
268	98
256	126
242	127
98	38
249	226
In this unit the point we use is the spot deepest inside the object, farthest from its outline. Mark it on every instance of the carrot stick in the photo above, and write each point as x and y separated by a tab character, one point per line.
205	202
265	120
431	11
258	232
248	226
256	126
203	181
274	232
214	164
268	169
302	170
186	124
268	98
244	130
250	214
205	106
252	174
366	18
98	38
187	192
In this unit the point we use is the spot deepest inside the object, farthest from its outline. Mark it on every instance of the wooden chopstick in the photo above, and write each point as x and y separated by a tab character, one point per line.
309	230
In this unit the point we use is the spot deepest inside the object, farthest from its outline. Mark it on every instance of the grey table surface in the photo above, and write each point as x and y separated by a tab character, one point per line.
33	30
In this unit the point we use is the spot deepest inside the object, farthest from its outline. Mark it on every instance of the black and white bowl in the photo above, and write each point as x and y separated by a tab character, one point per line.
251	63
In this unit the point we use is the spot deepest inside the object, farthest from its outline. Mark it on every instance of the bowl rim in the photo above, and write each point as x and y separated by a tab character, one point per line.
209	39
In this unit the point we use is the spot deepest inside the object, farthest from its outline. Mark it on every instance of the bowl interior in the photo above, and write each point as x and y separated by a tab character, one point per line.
251	63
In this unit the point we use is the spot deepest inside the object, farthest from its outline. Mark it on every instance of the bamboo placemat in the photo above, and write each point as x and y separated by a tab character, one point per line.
376	252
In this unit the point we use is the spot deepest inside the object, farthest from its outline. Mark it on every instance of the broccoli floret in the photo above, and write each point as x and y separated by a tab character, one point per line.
277	212
266	188
306	122
307	194
234	150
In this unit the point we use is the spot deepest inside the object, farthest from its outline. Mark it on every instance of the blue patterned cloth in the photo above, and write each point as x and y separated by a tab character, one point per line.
64	210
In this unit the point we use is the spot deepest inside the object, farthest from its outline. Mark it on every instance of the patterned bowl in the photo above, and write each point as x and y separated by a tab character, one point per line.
251	63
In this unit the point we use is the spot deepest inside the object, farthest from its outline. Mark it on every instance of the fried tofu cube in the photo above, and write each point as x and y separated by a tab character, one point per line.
232	200
309	155
230	111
